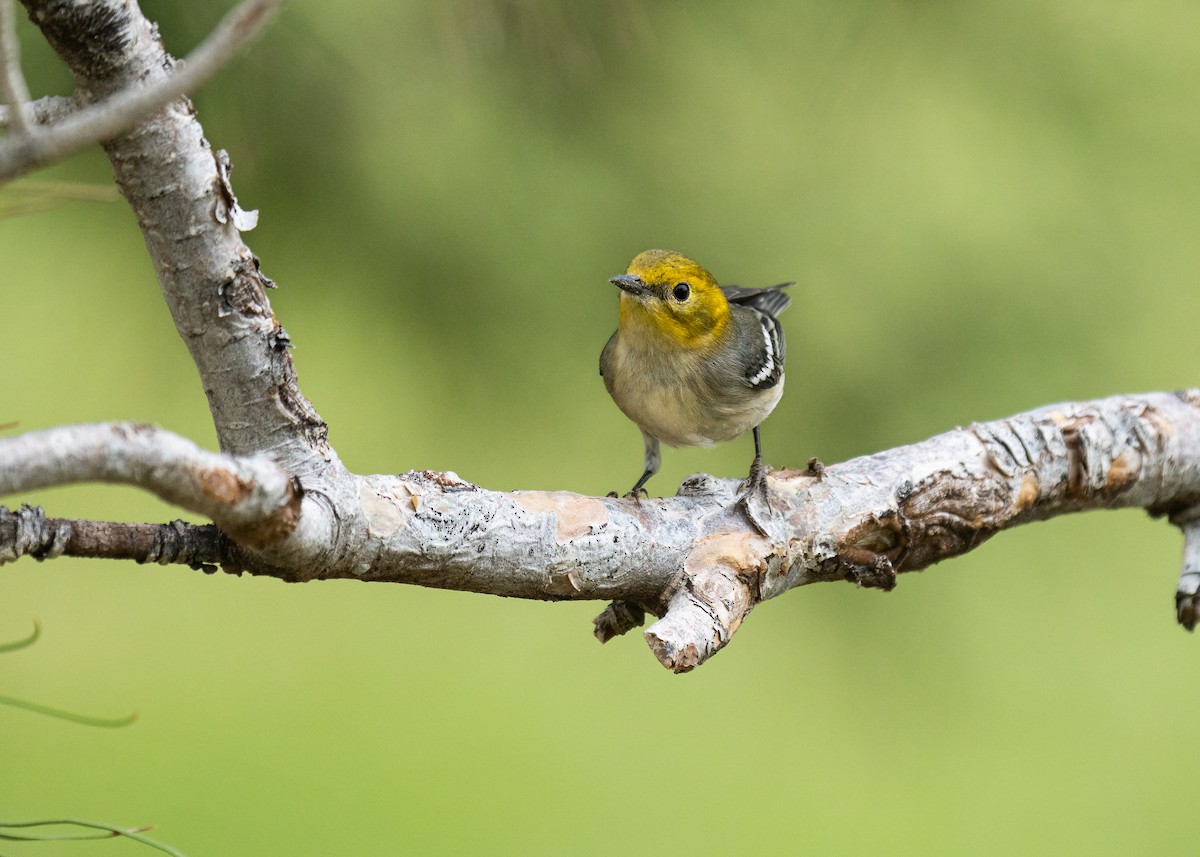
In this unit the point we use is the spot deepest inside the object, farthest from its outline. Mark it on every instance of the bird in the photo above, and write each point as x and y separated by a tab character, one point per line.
694	363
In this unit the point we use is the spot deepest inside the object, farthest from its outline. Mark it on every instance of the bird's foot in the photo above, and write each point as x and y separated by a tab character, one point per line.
630	495
754	499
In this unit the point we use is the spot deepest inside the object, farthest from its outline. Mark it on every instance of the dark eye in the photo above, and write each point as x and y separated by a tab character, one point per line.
681	292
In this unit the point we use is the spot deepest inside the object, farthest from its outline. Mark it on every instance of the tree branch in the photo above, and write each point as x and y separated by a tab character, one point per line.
103	120
693	560
28	532
251	499
1187	593
43	111
12	81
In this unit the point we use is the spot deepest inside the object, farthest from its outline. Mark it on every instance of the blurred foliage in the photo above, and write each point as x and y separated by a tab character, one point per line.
987	206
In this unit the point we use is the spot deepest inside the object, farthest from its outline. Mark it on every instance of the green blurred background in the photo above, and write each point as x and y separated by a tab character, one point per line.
987	206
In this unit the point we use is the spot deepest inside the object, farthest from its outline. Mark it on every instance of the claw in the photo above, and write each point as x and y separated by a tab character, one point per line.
757	479
755	488
630	495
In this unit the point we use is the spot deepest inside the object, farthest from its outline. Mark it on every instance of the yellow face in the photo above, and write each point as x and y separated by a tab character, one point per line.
674	296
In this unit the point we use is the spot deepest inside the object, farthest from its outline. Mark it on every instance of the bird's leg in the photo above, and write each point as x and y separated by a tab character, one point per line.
753	491
636	491
653	462
757	480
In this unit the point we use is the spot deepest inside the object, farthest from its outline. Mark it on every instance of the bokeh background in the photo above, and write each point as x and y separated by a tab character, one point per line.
987	207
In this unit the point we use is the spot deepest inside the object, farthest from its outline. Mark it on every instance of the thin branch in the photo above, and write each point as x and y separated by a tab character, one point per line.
12	81
25	643
30	196
1187	592
28	532
134	834
63	714
250	498
108	118
43	111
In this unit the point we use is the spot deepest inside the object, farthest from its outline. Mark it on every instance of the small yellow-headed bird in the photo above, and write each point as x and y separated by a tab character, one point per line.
693	363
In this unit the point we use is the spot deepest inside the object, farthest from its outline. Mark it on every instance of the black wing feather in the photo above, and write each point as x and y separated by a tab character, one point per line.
772	300
766	367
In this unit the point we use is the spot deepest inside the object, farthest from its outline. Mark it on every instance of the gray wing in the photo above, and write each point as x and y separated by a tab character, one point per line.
765	345
772	300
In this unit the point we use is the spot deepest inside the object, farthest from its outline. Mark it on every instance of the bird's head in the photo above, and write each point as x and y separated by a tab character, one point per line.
673	295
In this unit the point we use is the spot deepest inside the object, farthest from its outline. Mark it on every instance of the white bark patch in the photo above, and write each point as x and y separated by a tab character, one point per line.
574	516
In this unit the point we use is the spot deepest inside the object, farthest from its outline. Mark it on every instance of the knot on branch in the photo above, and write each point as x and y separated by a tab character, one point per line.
879	573
27	532
618	618
946	514
177	542
872	552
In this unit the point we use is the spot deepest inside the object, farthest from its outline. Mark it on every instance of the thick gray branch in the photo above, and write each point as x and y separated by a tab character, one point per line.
694	561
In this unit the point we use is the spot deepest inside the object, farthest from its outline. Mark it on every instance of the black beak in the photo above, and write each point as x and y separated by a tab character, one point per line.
629	283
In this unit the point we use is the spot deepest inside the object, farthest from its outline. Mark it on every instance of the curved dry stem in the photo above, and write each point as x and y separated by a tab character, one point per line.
39	147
